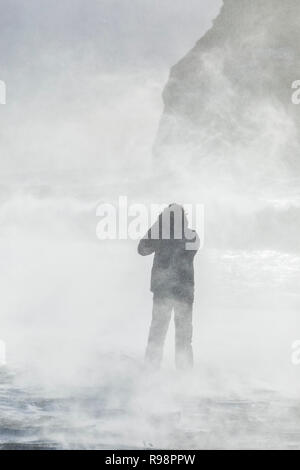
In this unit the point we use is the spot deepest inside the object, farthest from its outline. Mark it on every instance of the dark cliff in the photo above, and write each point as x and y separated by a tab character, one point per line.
230	97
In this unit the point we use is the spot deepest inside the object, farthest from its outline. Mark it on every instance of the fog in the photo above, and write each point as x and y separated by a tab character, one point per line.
84	103
77	73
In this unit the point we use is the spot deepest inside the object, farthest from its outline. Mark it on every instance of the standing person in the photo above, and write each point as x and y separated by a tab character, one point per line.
172	282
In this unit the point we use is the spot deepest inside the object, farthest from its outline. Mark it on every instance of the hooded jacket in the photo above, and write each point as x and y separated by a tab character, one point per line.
173	265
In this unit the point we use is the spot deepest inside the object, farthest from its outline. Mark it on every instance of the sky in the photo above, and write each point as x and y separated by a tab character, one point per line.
122	31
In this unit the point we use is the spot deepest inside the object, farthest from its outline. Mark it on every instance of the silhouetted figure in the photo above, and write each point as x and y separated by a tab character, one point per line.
172	282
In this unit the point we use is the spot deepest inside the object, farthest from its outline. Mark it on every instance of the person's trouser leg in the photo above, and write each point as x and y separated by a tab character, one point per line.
161	315
183	334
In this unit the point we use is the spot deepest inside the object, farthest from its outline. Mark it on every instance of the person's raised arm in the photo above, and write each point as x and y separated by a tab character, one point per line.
149	243
146	247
